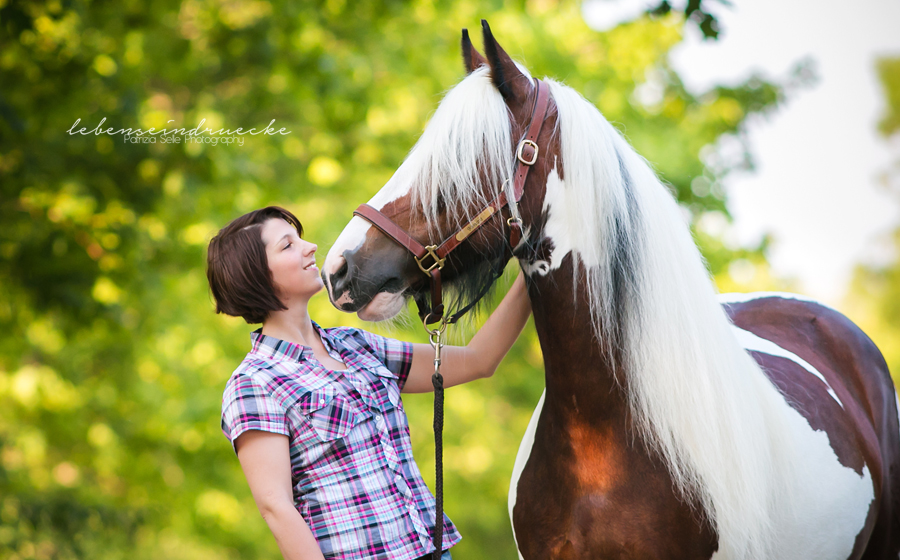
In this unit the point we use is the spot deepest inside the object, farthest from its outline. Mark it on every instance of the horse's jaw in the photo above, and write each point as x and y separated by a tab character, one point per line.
383	306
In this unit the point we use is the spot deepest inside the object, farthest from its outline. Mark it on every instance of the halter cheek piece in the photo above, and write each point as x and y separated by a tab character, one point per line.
431	258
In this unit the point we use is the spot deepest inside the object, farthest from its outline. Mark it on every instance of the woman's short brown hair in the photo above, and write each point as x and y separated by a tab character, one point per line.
238	270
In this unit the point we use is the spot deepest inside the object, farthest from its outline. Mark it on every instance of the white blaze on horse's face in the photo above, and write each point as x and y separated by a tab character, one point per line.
352	238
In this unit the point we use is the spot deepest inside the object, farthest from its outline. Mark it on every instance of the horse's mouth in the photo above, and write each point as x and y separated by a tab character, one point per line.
356	300
385	305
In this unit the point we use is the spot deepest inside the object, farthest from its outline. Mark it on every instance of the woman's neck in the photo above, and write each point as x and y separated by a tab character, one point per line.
291	325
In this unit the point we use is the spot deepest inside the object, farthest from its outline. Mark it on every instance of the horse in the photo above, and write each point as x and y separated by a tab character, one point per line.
675	422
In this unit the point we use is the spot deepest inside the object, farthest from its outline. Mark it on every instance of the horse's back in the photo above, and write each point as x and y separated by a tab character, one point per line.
835	377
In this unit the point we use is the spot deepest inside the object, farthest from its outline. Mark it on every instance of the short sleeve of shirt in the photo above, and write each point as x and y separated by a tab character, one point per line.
396	355
247	405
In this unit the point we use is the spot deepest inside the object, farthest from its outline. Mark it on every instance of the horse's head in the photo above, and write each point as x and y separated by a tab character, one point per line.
463	160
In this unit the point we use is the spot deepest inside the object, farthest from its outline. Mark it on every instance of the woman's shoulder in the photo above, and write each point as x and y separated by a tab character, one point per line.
252	373
253	384
242	378
266	377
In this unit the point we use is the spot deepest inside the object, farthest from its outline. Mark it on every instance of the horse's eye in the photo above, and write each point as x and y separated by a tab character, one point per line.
441	204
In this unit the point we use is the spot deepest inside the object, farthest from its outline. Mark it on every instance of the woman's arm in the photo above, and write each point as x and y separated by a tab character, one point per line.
265	458
479	358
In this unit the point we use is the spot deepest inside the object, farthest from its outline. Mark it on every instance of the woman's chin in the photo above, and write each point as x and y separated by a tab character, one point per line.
382	307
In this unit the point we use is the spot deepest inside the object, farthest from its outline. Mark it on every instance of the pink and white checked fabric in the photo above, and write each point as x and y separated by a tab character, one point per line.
355	481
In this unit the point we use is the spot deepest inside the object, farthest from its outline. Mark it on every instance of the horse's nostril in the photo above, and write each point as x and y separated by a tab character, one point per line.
342	271
339	279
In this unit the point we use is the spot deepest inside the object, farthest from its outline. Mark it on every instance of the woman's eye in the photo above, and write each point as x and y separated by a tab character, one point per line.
288	245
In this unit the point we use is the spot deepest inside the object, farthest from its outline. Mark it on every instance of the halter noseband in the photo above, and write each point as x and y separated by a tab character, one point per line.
431	258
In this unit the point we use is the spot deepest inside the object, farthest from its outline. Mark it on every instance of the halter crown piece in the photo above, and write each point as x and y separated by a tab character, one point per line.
431	258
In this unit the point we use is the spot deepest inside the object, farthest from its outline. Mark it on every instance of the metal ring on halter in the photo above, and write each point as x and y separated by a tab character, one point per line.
437	331
510	221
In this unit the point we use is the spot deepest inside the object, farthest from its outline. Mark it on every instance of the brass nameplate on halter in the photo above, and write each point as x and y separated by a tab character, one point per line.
471	226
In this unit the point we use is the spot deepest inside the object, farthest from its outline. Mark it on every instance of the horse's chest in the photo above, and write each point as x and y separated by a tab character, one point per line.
592	494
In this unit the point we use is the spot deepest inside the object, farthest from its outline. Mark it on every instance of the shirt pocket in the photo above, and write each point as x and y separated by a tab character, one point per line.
328	412
389	390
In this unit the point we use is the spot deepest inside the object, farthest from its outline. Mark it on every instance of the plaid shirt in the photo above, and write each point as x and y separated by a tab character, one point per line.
354	478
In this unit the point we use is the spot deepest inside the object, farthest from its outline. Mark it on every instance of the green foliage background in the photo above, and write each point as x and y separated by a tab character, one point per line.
874	298
112	362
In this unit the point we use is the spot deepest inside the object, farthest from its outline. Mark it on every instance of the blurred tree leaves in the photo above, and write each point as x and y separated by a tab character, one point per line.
889	74
696	12
112	361
874	297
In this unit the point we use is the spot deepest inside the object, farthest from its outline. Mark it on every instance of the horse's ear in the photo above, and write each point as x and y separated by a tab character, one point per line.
471	58
507	77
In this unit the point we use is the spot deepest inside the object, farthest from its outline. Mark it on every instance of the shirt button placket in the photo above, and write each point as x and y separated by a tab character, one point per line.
390	454
414	514
393	462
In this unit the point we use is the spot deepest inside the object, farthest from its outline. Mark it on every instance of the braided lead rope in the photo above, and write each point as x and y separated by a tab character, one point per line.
436	339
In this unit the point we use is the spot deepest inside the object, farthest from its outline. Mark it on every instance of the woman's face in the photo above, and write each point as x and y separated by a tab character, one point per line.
292	261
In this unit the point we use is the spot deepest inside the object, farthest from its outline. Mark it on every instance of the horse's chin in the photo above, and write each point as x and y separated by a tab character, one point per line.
383	306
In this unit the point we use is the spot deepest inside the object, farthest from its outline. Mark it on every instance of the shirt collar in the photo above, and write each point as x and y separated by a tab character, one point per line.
275	348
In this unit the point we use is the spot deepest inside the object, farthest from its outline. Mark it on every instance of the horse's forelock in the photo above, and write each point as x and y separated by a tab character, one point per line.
465	154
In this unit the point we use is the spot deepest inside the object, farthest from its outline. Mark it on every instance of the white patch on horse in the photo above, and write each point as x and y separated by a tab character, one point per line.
521	459
350	239
354	233
752	342
537	267
562	225
829	502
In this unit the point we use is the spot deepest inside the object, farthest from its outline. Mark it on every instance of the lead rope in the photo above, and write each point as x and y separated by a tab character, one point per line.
435	336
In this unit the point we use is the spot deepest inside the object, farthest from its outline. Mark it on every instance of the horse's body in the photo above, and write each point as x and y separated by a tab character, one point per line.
658	436
611	499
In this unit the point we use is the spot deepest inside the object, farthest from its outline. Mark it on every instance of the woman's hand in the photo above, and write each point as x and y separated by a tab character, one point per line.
480	358
265	458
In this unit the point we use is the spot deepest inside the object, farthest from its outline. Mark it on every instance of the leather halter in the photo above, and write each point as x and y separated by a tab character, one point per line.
526	154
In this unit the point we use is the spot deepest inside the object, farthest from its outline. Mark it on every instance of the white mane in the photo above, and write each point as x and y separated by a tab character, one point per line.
469	133
700	400
697	397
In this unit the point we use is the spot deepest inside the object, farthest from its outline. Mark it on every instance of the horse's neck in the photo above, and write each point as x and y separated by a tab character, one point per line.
577	369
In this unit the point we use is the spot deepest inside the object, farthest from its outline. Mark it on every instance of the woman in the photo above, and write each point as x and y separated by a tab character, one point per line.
314	414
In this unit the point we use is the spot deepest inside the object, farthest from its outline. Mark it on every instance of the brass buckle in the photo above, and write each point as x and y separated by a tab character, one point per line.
439	263
519	151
